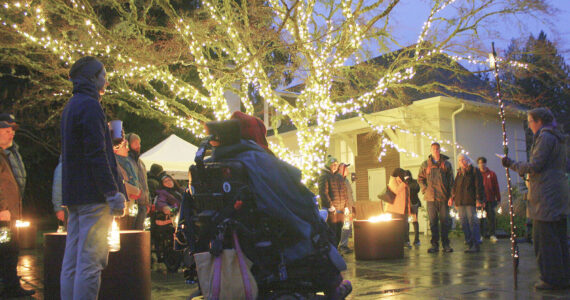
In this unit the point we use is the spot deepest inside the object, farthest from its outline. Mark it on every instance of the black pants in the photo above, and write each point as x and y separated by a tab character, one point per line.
551	250
9	253
489	224
438	213
337	229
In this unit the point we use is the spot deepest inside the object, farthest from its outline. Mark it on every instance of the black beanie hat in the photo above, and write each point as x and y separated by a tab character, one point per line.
156	169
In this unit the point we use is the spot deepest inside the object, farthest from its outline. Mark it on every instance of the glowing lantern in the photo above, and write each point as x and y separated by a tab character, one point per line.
380	218
114	237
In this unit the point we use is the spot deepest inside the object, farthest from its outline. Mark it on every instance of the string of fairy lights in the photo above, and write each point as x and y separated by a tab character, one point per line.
314	111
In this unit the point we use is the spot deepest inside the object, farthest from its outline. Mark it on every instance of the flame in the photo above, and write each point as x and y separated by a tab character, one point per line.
20	223
380	218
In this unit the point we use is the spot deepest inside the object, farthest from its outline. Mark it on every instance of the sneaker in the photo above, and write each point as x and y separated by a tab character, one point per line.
17	292
447	249
346	250
408	245
493	239
417	243
433	249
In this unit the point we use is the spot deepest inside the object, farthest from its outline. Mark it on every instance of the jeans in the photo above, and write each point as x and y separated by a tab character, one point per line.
86	251
551	250
337	230
139	219
489	224
438	213
344	236
469	224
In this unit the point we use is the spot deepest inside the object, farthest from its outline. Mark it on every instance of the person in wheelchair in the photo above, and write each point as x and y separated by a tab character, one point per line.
243	186
169	196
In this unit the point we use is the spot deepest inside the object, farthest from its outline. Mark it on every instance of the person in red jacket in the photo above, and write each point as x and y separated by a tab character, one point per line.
493	196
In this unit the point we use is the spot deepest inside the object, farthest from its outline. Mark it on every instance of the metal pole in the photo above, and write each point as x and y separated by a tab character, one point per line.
514	247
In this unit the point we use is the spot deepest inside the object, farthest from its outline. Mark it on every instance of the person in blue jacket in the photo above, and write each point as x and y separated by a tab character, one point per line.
92	189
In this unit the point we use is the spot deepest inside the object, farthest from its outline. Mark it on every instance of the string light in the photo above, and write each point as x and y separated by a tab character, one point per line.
323	53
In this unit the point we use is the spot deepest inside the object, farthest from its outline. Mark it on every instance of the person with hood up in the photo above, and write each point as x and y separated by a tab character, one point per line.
468	193
92	186
169	195
547	198
436	180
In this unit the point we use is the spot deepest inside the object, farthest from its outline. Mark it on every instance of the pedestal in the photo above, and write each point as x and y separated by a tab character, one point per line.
127	275
378	240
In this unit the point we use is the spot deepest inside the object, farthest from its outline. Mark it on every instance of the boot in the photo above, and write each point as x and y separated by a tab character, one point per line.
434	248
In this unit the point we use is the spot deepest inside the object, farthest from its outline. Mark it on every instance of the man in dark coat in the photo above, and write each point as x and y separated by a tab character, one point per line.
436	180
10	211
92	188
548	204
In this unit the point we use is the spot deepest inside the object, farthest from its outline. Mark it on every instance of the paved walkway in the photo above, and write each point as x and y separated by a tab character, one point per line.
419	275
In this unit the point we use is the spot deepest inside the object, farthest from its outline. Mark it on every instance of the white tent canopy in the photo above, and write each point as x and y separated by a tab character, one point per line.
174	154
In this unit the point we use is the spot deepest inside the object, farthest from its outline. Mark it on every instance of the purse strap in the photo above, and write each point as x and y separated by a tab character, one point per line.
243	269
217	279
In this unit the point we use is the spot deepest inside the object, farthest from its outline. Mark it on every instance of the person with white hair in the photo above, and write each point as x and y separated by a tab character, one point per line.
467	192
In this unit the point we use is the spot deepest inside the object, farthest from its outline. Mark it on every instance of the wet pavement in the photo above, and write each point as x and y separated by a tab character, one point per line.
419	275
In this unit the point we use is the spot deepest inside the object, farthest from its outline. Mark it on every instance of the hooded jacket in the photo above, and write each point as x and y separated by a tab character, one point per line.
436	179
468	187
548	191
89	167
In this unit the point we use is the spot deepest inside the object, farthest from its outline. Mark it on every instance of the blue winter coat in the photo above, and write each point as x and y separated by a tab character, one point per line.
89	167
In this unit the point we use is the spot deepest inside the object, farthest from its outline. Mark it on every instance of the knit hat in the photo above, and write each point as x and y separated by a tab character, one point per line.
132	136
330	161
252	128
156	169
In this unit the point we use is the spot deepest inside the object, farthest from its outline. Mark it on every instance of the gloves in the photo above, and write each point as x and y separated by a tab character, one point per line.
507	162
117	204
331	209
346	211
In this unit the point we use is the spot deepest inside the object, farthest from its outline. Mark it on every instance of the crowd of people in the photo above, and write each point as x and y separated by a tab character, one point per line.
100	176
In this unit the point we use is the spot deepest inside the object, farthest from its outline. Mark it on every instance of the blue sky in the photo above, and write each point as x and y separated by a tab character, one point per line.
409	16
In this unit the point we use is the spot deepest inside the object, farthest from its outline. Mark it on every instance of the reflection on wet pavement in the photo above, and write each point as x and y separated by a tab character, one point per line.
419	275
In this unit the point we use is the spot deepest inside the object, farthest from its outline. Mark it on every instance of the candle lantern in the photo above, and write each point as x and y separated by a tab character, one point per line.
379	237
114	237
26	233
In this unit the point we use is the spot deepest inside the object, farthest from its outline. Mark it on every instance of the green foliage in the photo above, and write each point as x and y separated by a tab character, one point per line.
546	81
